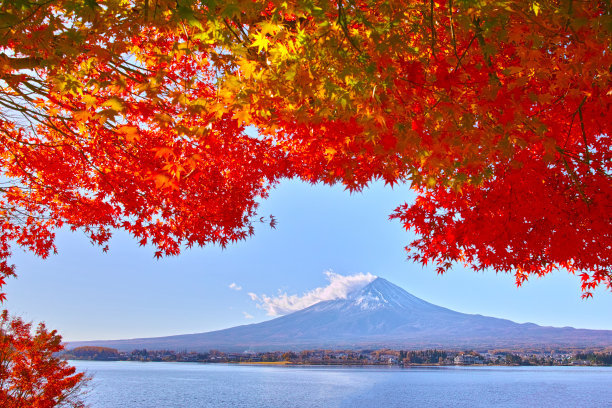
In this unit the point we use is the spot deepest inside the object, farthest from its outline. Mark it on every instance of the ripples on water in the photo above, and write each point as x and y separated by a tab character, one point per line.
174	385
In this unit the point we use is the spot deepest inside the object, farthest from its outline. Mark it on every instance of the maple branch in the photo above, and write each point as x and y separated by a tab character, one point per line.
433	32
155	11
126	64
27	97
576	157
528	16
586	144
28	17
14	213
569	131
464	52
575	181
123	70
20	63
342	21
27	113
452	29
569	13
242	41
239	26
32	178
40	88
13	106
549	106
30	144
483	44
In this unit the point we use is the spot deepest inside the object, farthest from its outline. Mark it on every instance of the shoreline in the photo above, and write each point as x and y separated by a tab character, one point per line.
298	364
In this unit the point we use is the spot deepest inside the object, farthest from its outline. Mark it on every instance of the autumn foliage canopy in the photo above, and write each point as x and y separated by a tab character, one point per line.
135	115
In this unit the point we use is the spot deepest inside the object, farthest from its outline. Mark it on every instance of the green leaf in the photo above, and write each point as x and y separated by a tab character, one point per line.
186	13
114	103
230	10
8	20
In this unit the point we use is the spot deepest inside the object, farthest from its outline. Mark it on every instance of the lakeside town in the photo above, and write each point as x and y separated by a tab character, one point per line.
401	358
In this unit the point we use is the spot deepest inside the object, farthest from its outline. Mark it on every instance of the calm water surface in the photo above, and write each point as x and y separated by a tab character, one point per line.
160	385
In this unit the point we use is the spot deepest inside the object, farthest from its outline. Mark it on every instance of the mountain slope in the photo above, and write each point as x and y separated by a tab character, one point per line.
379	315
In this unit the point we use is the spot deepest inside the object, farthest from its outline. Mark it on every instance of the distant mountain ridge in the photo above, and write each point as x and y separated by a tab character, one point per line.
379	315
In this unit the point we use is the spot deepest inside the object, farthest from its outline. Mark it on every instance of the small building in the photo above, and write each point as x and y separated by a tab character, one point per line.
467	359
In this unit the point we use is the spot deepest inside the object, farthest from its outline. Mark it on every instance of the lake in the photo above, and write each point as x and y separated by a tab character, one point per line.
160	385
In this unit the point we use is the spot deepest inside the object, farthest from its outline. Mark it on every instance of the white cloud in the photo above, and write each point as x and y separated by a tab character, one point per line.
234	286
338	288
247	316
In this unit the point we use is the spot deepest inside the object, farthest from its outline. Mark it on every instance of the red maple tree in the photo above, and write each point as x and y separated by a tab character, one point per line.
30	373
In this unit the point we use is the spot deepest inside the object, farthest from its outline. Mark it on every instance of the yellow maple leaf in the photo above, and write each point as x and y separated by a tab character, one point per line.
130	132
81	116
268	28
247	67
261	42
89	100
242	116
330	152
114	103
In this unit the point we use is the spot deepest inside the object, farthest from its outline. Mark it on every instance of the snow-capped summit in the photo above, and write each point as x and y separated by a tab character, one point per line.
380	314
381	293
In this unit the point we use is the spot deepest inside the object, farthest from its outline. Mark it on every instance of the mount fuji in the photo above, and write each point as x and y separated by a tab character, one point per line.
379	315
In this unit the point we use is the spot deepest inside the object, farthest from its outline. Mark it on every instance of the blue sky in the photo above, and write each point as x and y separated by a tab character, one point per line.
86	294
